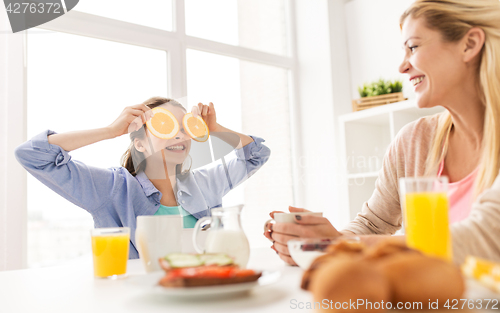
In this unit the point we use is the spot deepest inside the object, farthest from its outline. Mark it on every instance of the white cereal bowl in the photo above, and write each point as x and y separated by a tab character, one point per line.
305	251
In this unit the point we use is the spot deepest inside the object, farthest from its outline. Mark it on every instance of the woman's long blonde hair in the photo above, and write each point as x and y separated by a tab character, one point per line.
453	19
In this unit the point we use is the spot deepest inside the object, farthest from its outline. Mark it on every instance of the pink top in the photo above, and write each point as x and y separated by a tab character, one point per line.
460	195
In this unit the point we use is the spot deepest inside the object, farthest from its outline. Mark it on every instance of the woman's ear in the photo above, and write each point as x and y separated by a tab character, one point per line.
138	145
473	43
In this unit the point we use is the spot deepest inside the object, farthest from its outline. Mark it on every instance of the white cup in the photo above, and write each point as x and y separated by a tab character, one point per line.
157	236
289	217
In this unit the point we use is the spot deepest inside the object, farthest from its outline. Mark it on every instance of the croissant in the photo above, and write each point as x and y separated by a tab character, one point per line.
387	272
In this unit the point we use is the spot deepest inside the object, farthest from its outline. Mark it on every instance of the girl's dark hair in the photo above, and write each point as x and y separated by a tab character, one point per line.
132	155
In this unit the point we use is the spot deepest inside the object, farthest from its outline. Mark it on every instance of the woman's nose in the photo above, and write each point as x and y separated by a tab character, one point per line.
404	67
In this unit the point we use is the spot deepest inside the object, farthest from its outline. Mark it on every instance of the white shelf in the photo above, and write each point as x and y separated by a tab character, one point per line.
366	135
363	175
372	115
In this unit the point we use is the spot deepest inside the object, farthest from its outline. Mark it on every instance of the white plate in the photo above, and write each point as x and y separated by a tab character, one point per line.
150	281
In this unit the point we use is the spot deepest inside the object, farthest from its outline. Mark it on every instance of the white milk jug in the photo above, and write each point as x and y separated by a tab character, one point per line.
225	234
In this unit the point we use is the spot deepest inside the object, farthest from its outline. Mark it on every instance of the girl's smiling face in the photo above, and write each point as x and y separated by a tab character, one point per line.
434	67
175	149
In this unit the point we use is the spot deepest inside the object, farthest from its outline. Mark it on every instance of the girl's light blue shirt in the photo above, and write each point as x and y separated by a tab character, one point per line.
115	198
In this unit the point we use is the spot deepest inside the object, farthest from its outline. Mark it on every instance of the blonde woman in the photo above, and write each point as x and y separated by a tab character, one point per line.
452	58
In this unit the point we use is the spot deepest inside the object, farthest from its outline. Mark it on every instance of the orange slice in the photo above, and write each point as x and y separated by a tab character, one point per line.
163	124
195	127
485	271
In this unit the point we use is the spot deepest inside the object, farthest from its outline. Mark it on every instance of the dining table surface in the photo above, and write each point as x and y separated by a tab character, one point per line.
72	288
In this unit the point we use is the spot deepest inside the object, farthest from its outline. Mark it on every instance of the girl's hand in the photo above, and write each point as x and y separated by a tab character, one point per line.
131	119
208	114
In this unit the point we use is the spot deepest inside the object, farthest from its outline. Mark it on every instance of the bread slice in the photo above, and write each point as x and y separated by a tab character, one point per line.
206	281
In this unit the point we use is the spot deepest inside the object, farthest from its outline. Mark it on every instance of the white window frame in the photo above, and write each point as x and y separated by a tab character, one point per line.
13	187
13	196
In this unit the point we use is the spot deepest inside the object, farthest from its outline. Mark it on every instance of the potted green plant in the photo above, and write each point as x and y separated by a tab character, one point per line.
377	93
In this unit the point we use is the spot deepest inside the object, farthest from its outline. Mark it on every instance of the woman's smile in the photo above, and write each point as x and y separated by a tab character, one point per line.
416	81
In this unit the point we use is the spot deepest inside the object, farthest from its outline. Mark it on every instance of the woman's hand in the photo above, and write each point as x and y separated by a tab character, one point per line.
207	112
305	226
131	119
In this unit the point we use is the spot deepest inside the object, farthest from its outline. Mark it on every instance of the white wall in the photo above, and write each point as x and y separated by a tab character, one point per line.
341	84
316	116
374	41
365	45
340	44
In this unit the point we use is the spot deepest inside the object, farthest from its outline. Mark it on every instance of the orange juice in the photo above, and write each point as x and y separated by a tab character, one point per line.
426	220
110	252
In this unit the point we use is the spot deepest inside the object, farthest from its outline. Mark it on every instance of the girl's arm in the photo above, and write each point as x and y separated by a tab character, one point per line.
46	157
127	121
235	139
76	139
85	186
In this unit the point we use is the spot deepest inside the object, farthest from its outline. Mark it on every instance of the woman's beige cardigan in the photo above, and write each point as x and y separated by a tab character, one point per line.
478	234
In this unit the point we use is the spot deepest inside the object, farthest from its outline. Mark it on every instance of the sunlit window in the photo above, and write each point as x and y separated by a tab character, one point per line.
265	111
85	85
152	13
216	78
76	82
253	99
255	24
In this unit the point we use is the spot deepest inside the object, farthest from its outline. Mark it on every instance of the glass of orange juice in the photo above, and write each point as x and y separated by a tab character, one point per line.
110	251
425	215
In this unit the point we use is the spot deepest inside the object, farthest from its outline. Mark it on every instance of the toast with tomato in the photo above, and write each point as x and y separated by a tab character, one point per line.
192	270
208	276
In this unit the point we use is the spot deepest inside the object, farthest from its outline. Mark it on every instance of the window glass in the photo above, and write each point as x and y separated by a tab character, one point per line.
253	99
152	13
265	113
215	78
84	85
255	24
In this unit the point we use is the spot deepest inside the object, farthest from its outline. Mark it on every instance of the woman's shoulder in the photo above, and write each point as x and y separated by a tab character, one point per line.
423	127
412	144
418	131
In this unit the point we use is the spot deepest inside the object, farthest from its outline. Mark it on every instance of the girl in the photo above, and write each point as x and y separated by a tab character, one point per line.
453	60
152	179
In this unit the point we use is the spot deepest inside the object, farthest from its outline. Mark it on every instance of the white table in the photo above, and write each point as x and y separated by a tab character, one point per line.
73	289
